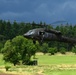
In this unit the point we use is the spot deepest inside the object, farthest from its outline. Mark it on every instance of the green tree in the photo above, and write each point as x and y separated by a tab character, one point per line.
1	27
15	28
8	30
10	54
18	49
31	49
44	48
1	46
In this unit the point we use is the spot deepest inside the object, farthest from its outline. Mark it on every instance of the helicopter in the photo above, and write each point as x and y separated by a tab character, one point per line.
45	34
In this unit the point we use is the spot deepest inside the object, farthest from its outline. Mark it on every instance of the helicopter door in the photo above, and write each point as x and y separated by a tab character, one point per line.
41	33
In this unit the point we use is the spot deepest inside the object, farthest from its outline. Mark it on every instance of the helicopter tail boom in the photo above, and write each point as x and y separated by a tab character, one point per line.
67	40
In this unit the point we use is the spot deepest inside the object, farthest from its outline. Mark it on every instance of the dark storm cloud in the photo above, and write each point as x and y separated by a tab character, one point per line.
38	10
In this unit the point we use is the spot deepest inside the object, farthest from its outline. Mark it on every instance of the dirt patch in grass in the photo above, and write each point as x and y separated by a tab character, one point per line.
7	74
37	70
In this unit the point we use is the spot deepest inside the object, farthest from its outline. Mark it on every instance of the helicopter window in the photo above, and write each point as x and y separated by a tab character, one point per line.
31	32
41	33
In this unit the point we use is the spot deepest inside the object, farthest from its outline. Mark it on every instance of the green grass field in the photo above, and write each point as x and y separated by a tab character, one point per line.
63	72
48	60
47	65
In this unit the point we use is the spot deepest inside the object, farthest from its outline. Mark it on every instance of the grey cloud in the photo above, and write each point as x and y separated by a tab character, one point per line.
14	16
65	11
38	10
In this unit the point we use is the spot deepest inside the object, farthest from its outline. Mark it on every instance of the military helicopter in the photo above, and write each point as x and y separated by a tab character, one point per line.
45	34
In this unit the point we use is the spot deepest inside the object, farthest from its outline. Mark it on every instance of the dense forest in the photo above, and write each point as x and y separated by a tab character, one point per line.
16	48
10	30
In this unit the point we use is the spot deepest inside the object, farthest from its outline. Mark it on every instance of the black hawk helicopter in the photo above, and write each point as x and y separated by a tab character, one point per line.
45	34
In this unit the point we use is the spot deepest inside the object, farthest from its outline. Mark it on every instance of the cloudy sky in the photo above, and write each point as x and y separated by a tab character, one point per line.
38	10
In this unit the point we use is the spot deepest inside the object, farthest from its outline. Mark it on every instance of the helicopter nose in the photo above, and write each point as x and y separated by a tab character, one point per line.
26	35
29	34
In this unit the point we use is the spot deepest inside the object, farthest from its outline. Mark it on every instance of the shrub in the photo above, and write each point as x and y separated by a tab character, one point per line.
7	67
52	51
62	50
74	50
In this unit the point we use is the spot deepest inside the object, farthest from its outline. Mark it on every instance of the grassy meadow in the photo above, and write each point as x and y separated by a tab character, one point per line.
47	65
56	59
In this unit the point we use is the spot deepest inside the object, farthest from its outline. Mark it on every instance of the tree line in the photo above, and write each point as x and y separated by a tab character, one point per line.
10	30
16	48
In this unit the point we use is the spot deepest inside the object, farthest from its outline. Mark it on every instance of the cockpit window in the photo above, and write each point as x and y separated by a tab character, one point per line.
31	32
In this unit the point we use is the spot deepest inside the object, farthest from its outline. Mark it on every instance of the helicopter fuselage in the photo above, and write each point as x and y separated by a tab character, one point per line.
41	35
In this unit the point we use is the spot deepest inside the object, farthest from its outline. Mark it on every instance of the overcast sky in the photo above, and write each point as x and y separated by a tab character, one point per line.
38	10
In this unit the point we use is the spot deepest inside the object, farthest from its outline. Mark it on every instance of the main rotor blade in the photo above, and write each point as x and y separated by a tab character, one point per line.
59	22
